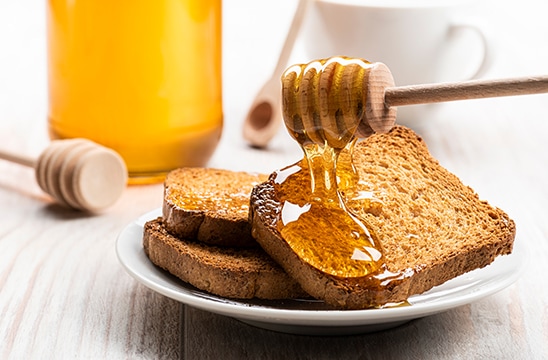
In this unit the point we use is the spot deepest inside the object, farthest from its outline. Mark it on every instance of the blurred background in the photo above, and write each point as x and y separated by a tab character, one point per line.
254	33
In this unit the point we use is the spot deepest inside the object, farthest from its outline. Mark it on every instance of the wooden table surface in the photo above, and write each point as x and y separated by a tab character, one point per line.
64	294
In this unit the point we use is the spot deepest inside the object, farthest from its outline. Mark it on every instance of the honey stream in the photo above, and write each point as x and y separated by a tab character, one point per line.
323	103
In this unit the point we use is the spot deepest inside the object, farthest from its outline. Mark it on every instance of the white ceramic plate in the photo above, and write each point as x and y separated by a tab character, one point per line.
310	317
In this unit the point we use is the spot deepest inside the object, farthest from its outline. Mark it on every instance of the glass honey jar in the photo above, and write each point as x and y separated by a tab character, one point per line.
143	77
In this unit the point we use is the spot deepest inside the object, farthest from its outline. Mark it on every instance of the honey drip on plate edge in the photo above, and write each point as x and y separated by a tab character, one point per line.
323	103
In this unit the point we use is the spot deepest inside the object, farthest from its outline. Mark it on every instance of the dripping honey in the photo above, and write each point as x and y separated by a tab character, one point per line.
321	112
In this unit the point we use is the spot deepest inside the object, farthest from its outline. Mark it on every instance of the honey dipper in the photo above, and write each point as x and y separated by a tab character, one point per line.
78	173
331	100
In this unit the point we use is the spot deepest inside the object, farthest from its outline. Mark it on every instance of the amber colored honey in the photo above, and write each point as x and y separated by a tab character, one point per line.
322	113
141	77
216	202
316	224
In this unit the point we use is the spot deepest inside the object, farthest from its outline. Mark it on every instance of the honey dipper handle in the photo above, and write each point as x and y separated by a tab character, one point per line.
16	158
473	89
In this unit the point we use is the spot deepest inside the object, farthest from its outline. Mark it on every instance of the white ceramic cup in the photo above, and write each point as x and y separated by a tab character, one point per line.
421	41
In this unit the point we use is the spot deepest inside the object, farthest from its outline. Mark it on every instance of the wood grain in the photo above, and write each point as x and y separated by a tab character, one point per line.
451	335
64	291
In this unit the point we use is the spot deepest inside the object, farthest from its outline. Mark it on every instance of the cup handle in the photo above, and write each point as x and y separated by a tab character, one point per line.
486	42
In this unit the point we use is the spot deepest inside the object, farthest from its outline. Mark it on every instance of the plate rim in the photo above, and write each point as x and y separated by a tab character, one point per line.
303	317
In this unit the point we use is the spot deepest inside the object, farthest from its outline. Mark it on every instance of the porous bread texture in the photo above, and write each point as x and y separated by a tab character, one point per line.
431	227
426	210
209	205
240	273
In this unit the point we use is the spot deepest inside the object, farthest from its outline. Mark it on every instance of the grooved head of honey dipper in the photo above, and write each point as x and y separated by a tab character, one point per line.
324	100
81	174
98	179
377	117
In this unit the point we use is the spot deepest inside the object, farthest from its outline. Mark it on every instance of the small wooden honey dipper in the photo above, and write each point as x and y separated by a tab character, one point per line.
332	100
78	173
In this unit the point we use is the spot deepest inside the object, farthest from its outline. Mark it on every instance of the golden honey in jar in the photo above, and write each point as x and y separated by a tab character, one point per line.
140	77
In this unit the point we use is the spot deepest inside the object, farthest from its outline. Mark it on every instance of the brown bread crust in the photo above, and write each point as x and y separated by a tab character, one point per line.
432	227
209	205
224	271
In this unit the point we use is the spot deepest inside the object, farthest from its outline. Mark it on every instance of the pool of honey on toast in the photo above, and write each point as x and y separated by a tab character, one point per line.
220	202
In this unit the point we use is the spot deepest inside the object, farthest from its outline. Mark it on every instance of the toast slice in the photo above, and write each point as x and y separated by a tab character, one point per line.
241	273
209	205
431	227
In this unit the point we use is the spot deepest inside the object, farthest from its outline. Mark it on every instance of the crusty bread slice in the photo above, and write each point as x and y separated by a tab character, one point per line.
241	273
209	205
431	227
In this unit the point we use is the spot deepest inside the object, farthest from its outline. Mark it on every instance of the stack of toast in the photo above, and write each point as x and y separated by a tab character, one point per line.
204	237
218	230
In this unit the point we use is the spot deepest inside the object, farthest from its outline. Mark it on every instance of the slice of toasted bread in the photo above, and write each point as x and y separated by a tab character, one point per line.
209	205
241	273
431	227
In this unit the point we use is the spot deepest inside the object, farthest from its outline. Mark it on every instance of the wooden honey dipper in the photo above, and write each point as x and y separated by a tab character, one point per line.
332	100
78	173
